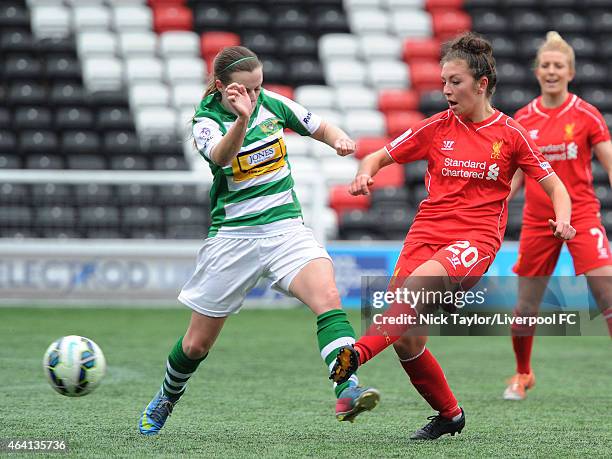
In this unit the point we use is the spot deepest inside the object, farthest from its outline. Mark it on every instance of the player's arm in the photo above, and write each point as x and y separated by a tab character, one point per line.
603	151
228	147
368	168
517	183
562	204
335	138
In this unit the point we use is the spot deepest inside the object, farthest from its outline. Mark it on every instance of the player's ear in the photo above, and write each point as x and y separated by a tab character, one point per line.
219	85
483	82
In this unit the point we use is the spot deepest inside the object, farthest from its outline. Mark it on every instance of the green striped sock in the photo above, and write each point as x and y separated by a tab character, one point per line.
334	331
179	369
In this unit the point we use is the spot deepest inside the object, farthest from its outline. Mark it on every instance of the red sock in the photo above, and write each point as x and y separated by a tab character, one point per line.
378	337
427	377
522	350
607	314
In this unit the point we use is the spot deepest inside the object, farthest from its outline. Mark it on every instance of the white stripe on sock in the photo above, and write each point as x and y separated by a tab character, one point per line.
174	383
409	359
175	373
335	344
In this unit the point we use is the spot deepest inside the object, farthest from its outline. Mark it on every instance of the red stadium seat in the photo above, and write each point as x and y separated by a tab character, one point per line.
213	42
443	5
398	99
400	121
155	3
447	24
281	89
367	145
425	75
421	48
172	17
390	176
341	201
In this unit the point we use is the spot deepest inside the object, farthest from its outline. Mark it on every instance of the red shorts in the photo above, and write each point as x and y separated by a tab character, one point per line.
539	249
465	261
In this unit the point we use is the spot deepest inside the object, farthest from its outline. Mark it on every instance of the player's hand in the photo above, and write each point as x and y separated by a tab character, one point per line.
239	99
361	185
562	230
344	146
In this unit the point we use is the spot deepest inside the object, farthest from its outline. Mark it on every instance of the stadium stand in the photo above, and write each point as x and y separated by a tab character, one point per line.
102	86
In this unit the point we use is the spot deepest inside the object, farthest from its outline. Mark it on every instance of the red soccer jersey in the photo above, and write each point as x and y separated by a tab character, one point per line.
470	168
565	136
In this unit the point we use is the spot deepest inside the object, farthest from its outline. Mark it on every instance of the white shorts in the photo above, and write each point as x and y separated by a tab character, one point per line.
228	268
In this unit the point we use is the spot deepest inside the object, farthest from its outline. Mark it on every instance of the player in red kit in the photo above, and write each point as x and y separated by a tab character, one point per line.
566	129
472	151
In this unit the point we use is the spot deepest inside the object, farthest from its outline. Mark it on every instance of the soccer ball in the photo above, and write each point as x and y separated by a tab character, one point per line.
75	365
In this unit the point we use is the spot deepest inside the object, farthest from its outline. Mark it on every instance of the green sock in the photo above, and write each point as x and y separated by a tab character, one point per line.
334	331
179	369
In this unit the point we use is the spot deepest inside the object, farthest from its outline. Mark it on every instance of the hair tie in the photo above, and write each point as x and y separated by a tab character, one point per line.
236	62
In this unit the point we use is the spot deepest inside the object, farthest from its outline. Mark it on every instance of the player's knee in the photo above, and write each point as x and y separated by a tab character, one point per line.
329	299
197	348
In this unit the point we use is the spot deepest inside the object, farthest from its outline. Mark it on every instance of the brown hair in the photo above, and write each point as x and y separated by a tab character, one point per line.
554	42
229	60
477	52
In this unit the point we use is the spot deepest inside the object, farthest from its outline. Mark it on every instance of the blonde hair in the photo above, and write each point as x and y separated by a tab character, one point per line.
554	42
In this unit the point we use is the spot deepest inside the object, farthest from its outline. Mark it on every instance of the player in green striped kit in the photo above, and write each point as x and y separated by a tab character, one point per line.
256	228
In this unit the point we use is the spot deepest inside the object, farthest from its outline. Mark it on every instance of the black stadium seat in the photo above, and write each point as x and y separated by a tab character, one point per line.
135	194
32	118
20	67
45	161
490	21
14	194
26	93
92	194
73	118
45	194
261	42
212	17
298	44
98	217
63	67
16	41
122	142
5	118
114	118
67	94
305	71
251	17
129	162
87	162
80	142
8	142
13	15
38	141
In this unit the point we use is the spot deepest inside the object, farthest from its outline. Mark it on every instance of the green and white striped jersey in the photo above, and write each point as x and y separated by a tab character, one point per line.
253	196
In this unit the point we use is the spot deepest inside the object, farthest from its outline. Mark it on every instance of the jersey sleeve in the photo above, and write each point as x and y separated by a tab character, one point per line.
598	129
206	134
527	153
296	117
413	144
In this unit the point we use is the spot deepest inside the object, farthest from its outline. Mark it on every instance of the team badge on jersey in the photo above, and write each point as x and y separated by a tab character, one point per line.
269	126
569	132
496	153
534	134
261	160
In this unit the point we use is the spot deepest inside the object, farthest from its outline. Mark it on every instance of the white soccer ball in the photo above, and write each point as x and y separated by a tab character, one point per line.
75	365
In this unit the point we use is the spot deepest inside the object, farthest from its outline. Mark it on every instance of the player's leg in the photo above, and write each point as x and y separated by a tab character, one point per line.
538	254
315	286
591	255
423	369
226	269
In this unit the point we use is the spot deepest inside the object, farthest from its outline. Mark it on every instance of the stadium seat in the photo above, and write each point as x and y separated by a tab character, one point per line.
14	194
510	99
44	161
38	142
425	75
22	67
212	17
180	194
359	225
178	43
304	71
512	72
315	97
367	145
390	176
14	15
135	194
132	18
400	121
437	5
369	21
355	98
585	47
120	142
142	69
93	194
90	217
87	162
91	18
16	41
567	21
67	94
297	145
172	17
32	118
9	160
26	93
329	19
212	42
163	145
251	17
142	217
5	118
102	74
260	42
341	201
364	123
169	163
604	195
137	43
96	43
50	21
388	74
490	22
420	48
185	69
186	215
62	67
130	162
411	23
148	94
339	72
80	143
186	95
275	70
74	118
432	102
390	196
398	99
338	45
590	73
379	46
298	43
449	23
504	46
394	222
58	216
415	173
529	21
